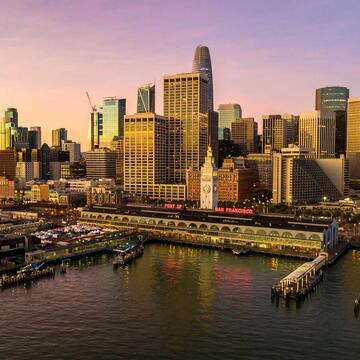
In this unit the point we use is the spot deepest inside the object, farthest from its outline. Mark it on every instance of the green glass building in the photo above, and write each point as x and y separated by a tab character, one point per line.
146	99
228	113
114	111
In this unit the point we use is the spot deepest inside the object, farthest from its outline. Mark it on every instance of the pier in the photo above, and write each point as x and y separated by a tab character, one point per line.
302	281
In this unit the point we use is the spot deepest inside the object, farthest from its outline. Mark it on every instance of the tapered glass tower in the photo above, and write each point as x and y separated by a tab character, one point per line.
202	64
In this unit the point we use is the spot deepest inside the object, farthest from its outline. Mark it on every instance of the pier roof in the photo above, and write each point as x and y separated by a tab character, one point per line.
256	220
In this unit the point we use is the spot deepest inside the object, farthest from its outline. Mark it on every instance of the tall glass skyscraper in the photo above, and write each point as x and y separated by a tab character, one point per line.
114	111
58	135
146	99
202	64
95	129
228	113
335	98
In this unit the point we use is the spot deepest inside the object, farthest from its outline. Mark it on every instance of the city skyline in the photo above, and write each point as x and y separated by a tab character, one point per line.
254	64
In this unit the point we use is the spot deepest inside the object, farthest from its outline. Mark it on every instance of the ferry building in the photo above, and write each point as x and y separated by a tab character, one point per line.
223	227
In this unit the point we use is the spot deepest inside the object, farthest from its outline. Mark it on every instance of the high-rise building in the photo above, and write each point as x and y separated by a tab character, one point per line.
146	158
3	127
58	135
228	113
34	137
335	98
101	164
202	65
8	163
114	111
95	129
275	132
213	131
353	138
74	150
298	179
22	138
185	105
146	99
243	133
261	164
12	115
44	156
317	133
118	146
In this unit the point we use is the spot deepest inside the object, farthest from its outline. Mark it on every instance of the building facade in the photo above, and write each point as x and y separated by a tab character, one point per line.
101	163
113	114
202	65
58	135
228	113
353	138
185	105
146	99
243	133
209	182
317	133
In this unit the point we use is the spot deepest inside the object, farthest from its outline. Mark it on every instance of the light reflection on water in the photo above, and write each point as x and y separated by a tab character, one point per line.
181	303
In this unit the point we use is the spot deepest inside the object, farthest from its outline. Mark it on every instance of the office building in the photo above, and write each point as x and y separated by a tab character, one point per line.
228	113
146	158
335	99
44	155
185	105
227	148
114	111
275	133
243	133
34	137
146	99
332	98
298	179
202	65
12	115
353	138
22	138
317	133
261	164
70	170
25	170
95	129
100	164
58	135
118	146
7	188
213	130
74	150
8	164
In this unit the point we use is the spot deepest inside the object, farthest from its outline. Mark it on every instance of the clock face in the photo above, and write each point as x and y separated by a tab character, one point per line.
207	188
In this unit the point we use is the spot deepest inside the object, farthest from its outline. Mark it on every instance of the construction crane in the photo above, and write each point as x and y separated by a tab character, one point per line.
93	107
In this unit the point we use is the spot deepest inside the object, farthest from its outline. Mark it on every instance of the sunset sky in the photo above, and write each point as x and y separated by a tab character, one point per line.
267	55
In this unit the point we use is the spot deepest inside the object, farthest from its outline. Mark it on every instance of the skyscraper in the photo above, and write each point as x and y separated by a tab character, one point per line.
34	137
58	135
243	132
335	98
332	98
146	99
74	150
114	111
185	105
228	113
12	115
353	138
95	129
202	64
275	133
317	133
101	164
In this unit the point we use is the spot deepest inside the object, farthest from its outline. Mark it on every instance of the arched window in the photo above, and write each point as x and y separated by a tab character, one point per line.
192	226
300	236
225	229
274	233
287	234
214	228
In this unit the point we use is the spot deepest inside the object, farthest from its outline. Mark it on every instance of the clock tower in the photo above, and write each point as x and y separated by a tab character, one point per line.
209	182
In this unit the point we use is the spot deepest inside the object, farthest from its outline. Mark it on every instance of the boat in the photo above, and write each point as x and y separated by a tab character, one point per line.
127	252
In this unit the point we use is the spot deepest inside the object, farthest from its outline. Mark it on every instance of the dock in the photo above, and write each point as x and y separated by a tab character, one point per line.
302	281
